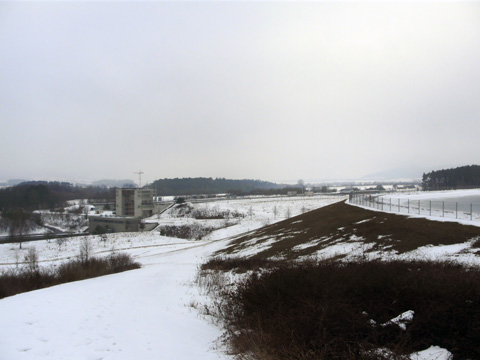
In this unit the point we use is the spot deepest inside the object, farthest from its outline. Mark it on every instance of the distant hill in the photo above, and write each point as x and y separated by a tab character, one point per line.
192	186
114	183
458	178
403	173
34	195
13	182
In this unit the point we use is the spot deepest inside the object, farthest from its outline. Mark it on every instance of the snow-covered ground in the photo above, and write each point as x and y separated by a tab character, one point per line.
432	195
461	206
256	212
142	314
150	313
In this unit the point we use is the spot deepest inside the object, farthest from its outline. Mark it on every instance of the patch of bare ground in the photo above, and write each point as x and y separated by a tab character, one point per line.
306	234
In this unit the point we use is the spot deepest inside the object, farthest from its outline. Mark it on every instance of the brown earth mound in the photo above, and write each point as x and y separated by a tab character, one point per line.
343	223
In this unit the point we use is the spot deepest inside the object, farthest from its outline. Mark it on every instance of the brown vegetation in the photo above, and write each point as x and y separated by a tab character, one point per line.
20	280
286	309
342	222
333	310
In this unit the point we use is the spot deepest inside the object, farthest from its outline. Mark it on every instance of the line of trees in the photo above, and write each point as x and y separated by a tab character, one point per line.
47	195
463	177
191	186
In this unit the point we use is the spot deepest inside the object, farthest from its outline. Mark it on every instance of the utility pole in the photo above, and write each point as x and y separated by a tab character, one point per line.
140	172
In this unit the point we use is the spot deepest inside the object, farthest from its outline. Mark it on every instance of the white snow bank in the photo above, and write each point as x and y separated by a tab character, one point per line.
432	353
402	320
421	195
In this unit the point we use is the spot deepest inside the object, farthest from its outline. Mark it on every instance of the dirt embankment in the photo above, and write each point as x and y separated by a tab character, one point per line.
309	233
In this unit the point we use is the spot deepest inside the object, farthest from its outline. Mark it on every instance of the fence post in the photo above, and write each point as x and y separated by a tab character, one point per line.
471	211
456	210
443	208
390	204
382	203
418	207
430	207
408	206
399	205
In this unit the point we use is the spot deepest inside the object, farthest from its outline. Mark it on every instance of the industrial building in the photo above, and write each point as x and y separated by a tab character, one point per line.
131	206
136	203
102	224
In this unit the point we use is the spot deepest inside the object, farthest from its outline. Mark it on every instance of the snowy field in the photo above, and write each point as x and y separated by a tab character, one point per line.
433	195
255	212
462	206
150	313
154	312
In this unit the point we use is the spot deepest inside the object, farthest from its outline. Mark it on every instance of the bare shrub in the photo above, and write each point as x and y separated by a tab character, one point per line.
332	310
32	259
21	280
216	213
77	270
189	232
182	210
71	221
240	265
120	262
85	250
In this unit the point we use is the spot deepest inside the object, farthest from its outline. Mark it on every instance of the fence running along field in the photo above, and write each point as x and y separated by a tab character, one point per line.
439	208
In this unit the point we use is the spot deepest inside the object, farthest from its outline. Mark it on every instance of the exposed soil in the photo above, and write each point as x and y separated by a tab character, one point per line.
343	223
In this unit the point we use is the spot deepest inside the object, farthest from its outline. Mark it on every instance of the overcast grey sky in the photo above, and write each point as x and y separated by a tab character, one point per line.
261	90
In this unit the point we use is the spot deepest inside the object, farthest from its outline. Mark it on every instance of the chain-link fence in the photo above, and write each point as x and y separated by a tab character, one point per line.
439	208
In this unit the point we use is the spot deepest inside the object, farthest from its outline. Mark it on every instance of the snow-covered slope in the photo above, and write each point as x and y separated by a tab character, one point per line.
140	314
150	313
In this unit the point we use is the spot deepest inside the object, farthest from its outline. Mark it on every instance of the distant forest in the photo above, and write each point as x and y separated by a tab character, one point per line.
47	195
192	186
463	177
35	195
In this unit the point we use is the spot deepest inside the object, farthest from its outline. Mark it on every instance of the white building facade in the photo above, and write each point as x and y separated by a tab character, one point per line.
134	202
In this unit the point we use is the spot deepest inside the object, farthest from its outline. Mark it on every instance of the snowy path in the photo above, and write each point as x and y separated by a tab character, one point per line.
141	314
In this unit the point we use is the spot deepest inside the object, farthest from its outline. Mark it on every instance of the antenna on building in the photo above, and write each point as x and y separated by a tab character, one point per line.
140	172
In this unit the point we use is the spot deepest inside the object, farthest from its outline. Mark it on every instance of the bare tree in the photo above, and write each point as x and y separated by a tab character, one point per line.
60	242
18	224
32	259
301	184
103	239
17	258
85	250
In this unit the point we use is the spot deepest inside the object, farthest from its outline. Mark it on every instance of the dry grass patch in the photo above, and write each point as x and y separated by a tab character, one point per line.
20	280
331	310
